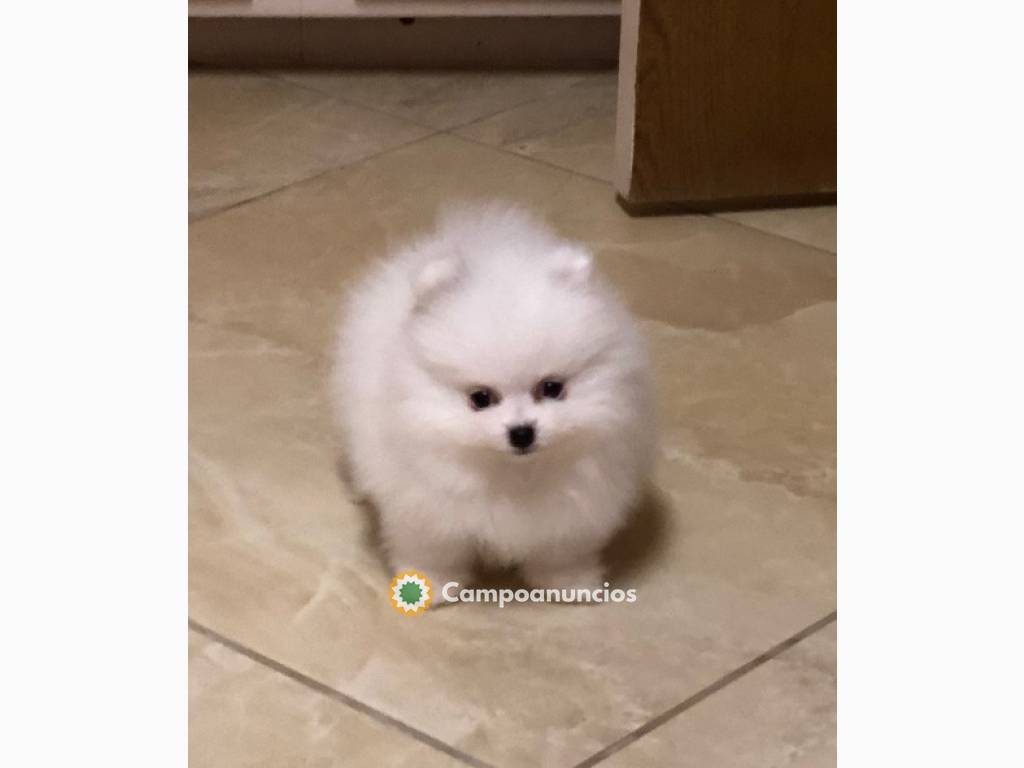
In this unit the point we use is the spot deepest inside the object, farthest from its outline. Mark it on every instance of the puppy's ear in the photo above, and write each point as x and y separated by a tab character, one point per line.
573	265
433	278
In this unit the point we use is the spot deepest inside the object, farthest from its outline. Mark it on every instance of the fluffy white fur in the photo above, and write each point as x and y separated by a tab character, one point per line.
492	298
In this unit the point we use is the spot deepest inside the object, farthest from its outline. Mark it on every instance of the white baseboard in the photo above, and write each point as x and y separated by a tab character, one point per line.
395	8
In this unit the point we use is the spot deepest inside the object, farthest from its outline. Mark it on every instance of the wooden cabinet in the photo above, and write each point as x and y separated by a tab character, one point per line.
726	104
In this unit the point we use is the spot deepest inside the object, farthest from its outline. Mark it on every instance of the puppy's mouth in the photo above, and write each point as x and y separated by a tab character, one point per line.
524	451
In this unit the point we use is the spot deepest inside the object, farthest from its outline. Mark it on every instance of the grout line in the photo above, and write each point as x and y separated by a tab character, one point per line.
338	696
239	203
451	129
608	183
303	180
278	76
281	75
532	100
501	111
528	158
720	217
707	691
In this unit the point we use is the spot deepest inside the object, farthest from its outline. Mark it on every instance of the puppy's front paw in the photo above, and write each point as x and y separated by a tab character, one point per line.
577	576
459	578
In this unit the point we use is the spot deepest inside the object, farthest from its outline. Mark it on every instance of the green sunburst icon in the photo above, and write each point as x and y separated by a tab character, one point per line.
410	592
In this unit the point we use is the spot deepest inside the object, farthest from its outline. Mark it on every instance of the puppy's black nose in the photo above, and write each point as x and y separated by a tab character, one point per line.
521	436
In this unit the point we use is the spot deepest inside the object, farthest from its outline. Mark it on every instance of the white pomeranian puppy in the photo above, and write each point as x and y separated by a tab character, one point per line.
495	401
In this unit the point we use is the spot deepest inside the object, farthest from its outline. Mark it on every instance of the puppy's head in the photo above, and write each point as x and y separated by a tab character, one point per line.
524	355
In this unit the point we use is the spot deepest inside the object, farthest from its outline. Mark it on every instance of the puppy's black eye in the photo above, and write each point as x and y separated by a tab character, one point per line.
552	389
483	398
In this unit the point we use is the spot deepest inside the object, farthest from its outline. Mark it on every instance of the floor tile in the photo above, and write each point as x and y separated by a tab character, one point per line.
438	99
280	559
574	128
814	226
691	271
732	551
244	714
250	134
781	714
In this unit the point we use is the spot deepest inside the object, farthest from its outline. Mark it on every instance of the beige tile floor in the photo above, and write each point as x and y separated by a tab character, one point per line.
727	658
